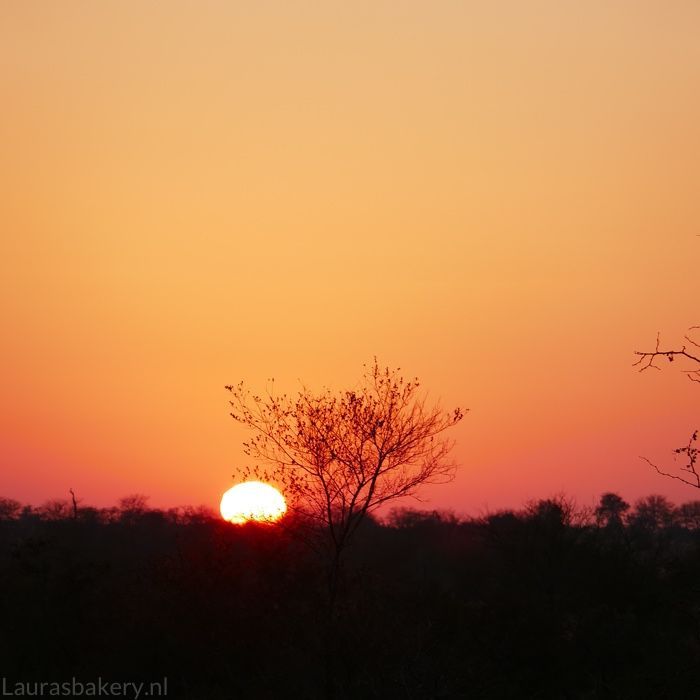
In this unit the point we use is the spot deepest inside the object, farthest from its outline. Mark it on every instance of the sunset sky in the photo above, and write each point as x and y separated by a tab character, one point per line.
498	197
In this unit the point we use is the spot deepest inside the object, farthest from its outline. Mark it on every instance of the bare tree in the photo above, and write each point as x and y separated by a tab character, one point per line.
690	352
74	503
54	509
340	455
648	358
132	507
653	512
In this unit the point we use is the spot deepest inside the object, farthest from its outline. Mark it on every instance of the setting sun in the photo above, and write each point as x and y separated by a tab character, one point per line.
252	500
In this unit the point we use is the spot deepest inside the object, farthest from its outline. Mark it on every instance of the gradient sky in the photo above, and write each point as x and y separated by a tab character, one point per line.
499	197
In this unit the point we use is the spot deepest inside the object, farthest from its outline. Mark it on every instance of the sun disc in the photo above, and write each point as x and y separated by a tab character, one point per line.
252	500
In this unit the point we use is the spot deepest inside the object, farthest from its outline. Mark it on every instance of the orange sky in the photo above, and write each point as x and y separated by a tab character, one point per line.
500	197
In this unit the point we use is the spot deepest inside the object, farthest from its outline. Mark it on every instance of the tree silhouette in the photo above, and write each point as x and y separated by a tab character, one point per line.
554	512
611	510
339	456
9	508
55	509
649	358
653	513
690	352
688	515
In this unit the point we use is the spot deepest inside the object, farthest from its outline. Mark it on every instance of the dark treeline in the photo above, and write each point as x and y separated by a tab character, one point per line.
547	602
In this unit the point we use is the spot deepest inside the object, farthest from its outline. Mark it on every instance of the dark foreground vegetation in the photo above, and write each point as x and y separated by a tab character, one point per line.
547	602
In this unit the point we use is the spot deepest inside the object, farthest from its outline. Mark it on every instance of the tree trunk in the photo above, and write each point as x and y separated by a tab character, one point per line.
329	653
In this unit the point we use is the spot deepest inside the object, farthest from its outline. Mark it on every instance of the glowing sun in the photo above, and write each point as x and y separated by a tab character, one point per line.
252	500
